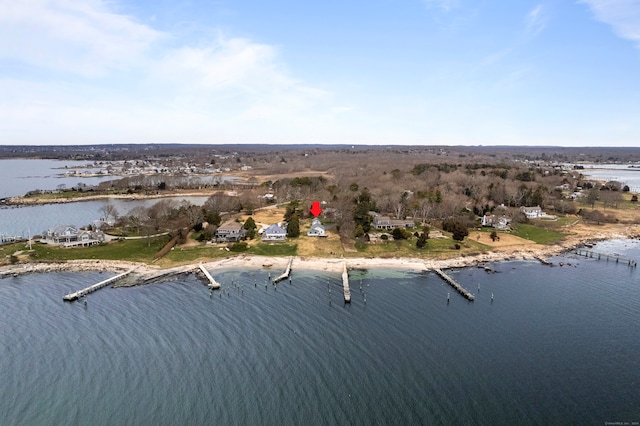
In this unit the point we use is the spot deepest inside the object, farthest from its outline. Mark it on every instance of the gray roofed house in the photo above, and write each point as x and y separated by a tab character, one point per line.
62	234
274	233
385	222
230	231
316	229
495	221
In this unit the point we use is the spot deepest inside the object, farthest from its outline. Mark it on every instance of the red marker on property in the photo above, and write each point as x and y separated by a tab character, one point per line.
315	208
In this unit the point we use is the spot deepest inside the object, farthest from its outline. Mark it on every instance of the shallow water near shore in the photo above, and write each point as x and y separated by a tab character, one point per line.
555	345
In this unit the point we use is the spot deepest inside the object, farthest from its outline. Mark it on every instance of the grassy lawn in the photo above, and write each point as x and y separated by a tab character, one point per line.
140	250
537	234
193	254
272	249
436	248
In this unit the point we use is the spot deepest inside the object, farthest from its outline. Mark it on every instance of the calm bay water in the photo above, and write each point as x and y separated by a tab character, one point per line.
37	219
624	174
18	177
558	345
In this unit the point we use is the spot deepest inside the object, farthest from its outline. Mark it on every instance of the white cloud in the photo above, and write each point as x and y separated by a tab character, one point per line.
445	5
141	83
622	15
536	20
81	37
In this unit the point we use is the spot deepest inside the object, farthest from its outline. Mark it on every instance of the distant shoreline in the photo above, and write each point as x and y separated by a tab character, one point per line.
20	201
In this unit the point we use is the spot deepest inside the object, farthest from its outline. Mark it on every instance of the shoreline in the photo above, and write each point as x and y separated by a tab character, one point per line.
22	201
149	273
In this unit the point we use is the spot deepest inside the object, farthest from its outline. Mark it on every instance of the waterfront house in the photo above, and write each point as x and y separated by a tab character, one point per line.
62	234
274	233
86	238
230	231
316	229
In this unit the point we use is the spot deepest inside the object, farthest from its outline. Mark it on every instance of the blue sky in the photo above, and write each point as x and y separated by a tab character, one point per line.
432	72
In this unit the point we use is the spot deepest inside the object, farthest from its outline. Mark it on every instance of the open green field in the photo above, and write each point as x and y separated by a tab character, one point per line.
139	250
436	248
537	234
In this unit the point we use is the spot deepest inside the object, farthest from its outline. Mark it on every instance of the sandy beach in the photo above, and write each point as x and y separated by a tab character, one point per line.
500	253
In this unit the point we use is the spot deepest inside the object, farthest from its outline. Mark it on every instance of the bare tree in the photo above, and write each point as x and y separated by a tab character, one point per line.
109	211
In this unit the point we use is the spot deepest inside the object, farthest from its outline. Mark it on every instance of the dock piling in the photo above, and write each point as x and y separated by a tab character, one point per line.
82	293
213	284
345	284
286	272
464	292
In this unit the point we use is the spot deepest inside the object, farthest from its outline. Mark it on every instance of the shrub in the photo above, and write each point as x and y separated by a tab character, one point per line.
239	247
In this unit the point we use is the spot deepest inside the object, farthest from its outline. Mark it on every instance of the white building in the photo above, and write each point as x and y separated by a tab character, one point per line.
316	229
274	233
532	212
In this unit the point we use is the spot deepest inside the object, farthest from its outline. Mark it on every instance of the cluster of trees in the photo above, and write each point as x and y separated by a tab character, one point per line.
427	185
171	215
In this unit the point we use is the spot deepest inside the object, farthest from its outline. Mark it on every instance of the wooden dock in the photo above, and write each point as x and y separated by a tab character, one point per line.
213	284
345	284
595	255
286	272
454	284
78	294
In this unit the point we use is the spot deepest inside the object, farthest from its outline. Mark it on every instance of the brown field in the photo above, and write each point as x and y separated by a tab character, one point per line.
505	242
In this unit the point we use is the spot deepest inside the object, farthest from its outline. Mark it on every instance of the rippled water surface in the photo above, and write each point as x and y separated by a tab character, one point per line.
558	345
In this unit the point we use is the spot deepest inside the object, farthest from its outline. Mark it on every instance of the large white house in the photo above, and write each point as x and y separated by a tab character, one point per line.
532	212
316	229
274	233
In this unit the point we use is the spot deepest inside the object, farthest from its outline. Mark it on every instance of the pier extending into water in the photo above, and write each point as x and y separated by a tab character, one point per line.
454	284
345	284
595	255
213	284
78	294
286	272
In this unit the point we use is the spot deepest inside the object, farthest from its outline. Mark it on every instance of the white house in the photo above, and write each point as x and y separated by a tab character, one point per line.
274	233
86	239
501	222
62	234
532	212
316	229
